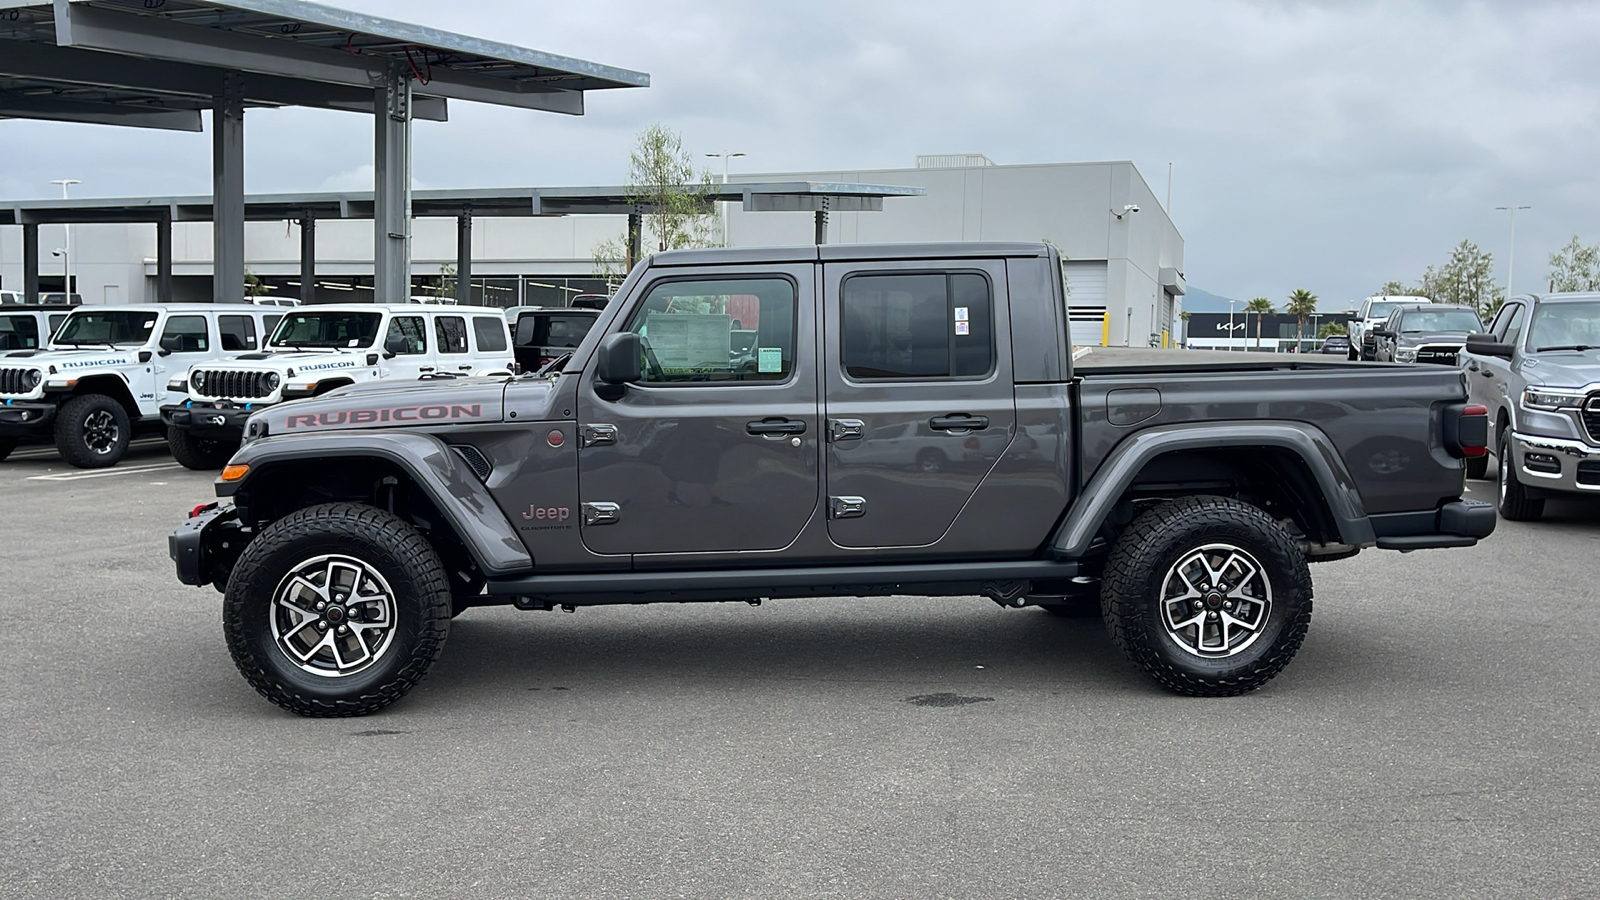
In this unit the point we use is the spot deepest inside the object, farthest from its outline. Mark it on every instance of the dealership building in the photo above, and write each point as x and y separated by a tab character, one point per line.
1122	255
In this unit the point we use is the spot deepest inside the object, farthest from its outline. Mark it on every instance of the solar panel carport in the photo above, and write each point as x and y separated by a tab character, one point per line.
462	205
161	63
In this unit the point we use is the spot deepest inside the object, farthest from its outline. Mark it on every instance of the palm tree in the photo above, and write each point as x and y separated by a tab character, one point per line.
1261	306
1302	303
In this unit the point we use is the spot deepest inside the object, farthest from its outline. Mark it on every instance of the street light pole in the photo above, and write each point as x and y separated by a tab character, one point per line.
1511	254
66	252
724	156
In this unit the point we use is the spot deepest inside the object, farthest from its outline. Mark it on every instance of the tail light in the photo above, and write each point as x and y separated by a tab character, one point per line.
1466	430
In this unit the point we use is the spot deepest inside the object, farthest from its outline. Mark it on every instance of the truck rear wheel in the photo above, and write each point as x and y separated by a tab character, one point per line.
195	453
1208	595
336	610
92	431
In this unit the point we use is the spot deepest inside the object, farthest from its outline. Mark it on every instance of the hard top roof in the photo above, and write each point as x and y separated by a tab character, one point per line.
848	252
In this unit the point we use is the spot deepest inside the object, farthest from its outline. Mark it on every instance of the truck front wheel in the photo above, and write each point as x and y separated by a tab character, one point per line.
92	431
336	610
1210	596
195	453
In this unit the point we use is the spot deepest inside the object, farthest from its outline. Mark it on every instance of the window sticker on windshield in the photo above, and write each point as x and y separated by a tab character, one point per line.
961	314
354	342
150	324
769	359
961	327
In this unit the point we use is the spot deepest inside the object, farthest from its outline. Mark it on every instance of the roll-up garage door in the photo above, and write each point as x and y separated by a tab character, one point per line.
1086	301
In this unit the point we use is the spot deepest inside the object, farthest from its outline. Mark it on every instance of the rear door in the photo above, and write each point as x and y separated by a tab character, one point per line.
918	399
709	452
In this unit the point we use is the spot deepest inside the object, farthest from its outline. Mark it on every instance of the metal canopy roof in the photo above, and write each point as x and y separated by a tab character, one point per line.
172	57
487	202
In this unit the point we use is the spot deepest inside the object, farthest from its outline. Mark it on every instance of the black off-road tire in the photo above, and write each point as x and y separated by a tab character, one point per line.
92	431
196	453
1138	569
8	444
1511	497
421	599
1478	467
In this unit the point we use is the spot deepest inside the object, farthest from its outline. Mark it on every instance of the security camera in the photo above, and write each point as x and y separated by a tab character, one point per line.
1131	207
58	253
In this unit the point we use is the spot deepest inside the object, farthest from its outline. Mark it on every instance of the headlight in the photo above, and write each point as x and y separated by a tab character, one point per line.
1541	398
32	378
198	379
1405	354
273	381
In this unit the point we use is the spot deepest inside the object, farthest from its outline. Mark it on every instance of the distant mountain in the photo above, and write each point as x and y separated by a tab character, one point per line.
1199	301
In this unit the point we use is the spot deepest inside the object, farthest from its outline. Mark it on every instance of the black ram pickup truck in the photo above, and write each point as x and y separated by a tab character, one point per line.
830	421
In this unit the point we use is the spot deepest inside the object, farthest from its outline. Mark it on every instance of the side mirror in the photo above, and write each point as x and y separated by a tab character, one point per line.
1379	332
170	343
395	345
619	361
1480	344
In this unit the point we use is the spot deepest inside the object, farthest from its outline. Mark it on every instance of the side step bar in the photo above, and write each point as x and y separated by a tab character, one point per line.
1007	578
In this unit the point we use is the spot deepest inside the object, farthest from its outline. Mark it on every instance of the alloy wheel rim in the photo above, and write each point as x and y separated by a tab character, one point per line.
333	616
1215	601
100	431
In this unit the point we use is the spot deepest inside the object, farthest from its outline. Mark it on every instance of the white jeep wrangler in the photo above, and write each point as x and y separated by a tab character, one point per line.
317	349
104	373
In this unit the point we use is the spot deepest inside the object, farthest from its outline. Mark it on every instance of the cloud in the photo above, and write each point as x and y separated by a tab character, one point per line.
1327	145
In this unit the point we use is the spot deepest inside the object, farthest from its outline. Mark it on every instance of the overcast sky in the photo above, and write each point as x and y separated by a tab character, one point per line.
1324	145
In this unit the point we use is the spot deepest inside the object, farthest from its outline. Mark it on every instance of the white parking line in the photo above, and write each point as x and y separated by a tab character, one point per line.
104	473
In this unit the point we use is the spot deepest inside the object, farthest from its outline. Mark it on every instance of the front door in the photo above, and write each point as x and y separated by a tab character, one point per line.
918	402
408	339
716	448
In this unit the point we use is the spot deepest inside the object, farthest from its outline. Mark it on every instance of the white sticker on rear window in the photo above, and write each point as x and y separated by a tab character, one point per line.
961	327
769	359
961	314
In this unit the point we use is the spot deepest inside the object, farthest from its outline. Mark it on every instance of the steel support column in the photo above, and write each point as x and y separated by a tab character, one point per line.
30	261
227	191
308	258
822	223
635	240
164	259
392	190
464	258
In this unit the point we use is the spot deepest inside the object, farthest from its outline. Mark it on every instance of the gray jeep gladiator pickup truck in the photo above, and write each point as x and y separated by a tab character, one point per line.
905	419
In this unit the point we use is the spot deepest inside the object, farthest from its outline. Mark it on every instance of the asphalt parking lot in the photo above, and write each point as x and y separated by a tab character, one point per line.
1436	737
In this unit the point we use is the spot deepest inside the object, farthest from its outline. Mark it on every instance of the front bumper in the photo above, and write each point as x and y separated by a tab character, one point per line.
25	417
209	421
205	547
1555	464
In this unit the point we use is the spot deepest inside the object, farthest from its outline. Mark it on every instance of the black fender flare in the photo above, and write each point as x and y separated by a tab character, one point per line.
440	473
1127	459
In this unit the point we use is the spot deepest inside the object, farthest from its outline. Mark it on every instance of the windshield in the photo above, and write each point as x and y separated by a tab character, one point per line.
1565	326
1381	309
110	327
552	329
1419	321
326	329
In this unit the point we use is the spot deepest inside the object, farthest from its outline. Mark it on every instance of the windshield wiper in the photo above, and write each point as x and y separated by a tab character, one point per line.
1568	347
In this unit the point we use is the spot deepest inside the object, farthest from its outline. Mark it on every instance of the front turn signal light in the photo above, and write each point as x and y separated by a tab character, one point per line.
234	473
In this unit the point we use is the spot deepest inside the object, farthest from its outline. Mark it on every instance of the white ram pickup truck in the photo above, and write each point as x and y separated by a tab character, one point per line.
317	349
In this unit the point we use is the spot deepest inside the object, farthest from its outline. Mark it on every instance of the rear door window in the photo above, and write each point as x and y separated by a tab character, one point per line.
452	331
19	332
238	333
917	326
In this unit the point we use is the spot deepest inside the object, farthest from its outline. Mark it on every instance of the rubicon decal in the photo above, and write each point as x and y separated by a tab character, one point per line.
91	363
341	364
435	413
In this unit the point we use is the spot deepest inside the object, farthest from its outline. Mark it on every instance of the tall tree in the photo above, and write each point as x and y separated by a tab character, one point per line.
1302	303
1261	306
1465	279
676	197
1393	289
1575	267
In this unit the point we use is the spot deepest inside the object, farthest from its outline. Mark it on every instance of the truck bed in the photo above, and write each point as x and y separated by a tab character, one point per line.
1129	360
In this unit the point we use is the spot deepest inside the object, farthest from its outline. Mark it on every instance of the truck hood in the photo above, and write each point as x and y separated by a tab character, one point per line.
299	360
73	360
389	404
1418	338
1563	368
